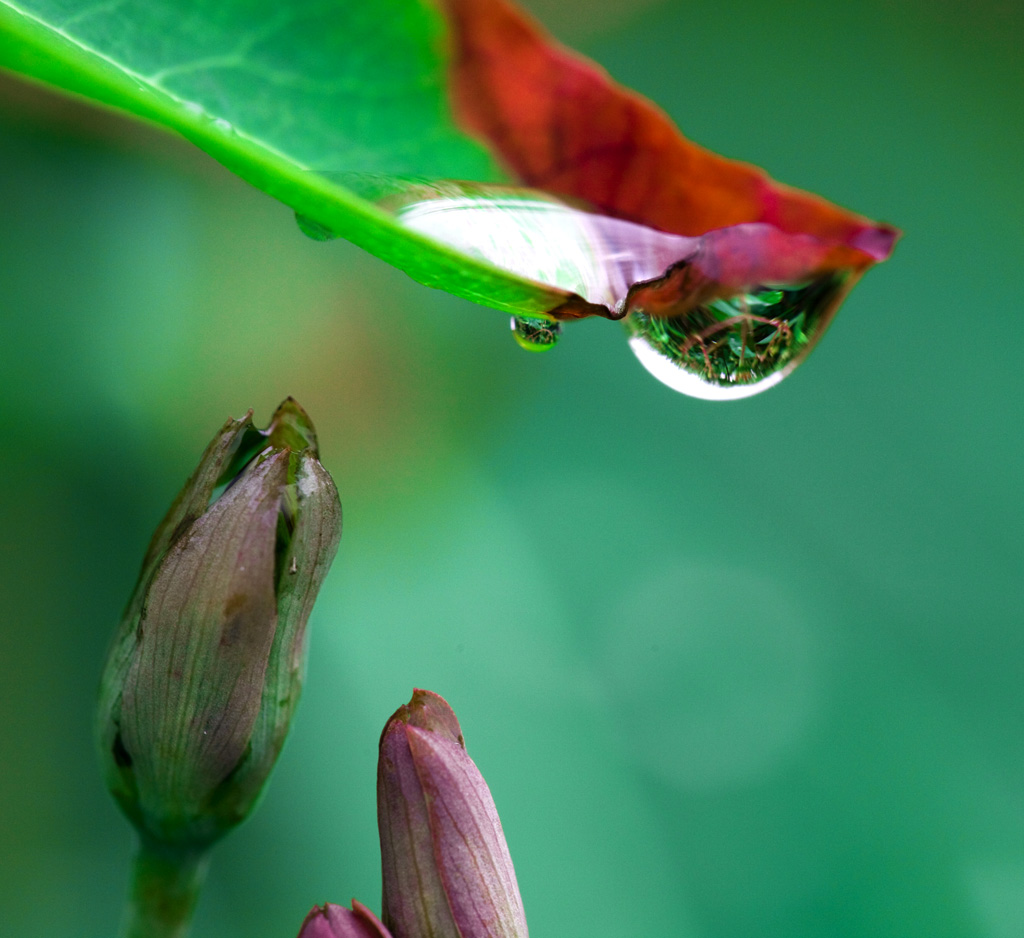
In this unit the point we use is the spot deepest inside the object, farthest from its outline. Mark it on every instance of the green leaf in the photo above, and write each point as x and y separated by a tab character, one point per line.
363	116
287	97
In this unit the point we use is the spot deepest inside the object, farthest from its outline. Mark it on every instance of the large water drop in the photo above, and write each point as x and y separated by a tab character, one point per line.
534	333
726	349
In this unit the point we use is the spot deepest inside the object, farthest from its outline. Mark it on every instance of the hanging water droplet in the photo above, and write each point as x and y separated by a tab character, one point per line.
737	347
534	333
313	229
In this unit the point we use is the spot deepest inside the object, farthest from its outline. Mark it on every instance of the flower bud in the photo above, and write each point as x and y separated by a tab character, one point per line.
335	921
446	869
206	667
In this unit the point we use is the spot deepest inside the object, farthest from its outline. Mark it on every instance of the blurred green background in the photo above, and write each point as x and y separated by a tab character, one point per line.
731	670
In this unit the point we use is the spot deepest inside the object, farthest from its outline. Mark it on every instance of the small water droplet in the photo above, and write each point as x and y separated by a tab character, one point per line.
223	125
313	229
534	333
737	347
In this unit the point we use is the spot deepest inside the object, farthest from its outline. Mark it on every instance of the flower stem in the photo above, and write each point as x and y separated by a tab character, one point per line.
165	884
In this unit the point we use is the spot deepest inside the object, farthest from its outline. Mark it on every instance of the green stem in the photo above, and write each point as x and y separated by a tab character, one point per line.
164	890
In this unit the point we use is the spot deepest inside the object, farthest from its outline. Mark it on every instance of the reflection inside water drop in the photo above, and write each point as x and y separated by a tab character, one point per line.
534	333
726	349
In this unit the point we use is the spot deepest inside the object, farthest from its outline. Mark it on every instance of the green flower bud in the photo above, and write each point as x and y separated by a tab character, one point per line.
206	667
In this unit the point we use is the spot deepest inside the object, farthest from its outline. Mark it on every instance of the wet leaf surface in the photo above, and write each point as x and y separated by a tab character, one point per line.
458	142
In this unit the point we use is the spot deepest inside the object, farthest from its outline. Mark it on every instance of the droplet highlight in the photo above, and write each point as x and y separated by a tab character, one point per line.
534	333
537	237
736	347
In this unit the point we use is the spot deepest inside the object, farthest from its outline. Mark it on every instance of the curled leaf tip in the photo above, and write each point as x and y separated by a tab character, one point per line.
561	124
877	241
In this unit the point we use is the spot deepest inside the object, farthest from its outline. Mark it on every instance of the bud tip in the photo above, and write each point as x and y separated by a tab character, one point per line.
427	711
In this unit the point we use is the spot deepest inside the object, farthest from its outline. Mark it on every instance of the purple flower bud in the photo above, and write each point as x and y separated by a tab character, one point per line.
446	869
205	670
335	921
